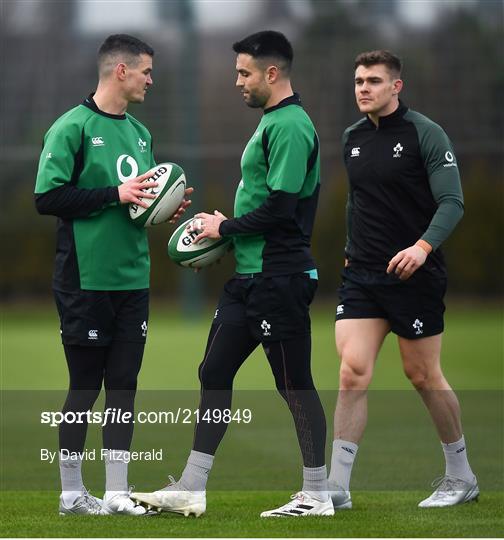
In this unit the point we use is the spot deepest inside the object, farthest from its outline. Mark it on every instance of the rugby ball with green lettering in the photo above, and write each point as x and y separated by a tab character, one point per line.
170	193
184	252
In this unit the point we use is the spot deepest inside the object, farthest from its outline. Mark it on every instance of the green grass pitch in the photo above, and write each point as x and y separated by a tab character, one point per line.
258	465
230	514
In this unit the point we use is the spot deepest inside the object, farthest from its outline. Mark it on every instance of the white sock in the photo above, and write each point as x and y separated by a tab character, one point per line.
71	478
315	482
457	464
116	472
342	460
195	474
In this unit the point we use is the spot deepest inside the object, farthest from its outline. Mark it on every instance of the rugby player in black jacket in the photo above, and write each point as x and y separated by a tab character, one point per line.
404	200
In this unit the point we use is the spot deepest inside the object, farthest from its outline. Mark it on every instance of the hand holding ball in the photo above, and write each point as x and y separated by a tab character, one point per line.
185	252
169	193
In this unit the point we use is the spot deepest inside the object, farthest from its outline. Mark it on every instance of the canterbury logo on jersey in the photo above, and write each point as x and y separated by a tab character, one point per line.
132	164
97	141
93	334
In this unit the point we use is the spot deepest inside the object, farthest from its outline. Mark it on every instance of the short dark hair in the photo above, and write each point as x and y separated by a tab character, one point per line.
267	44
122	44
372	58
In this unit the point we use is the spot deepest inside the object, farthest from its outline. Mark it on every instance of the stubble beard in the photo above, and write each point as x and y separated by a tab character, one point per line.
255	101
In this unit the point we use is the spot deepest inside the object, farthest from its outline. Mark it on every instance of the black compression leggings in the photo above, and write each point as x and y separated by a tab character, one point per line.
227	348
117	366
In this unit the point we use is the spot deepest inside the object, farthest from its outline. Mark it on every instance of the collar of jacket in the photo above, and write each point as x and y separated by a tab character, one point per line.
391	119
291	100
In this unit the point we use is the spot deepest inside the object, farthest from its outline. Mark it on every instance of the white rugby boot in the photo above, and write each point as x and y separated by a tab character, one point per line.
119	502
84	504
451	491
302	505
341	498
173	498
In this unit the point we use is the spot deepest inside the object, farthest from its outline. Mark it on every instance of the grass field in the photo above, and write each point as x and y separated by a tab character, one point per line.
230	514
472	359
258	464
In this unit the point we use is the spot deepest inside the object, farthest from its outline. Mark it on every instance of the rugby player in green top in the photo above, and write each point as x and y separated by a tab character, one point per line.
88	173
267	301
405	199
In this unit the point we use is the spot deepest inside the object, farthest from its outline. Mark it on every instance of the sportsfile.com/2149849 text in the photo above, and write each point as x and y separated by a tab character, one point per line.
176	416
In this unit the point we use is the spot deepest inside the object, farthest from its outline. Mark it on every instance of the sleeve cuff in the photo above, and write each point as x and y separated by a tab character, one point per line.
223	226
112	195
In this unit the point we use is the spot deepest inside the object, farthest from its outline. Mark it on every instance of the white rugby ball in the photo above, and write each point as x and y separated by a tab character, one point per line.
170	192
184	252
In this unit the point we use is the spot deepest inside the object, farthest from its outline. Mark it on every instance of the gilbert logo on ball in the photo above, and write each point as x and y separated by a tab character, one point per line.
183	251
170	193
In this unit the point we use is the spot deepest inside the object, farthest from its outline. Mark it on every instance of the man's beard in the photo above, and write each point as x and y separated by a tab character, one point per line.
256	101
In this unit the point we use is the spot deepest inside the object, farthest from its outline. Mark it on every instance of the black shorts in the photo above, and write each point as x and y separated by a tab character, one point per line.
274	308
96	318
414	308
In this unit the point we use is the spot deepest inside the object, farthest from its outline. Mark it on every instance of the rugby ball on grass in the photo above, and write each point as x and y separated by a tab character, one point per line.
170	192
184	252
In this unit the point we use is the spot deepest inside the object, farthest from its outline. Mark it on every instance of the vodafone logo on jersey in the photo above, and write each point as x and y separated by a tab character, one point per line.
450	158
124	164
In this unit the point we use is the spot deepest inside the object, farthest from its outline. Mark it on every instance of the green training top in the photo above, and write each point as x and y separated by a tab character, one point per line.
90	150
277	196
